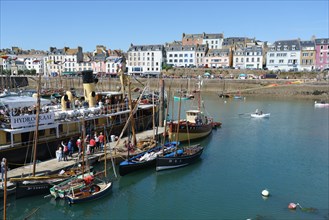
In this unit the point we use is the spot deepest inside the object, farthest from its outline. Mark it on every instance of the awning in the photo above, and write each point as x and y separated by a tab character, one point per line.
21	101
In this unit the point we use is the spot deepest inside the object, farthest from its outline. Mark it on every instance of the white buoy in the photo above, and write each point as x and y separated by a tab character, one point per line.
265	193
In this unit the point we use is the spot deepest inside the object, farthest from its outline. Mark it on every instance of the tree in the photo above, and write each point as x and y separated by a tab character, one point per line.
33	72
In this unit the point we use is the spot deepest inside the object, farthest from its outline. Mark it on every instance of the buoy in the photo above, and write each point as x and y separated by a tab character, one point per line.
292	205
265	193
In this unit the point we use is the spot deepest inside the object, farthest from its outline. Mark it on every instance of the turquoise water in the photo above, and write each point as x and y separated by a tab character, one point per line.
286	154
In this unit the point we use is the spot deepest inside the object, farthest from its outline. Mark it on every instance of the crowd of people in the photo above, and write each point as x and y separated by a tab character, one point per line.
93	143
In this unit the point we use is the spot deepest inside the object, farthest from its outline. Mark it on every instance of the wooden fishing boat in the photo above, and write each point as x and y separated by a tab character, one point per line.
92	192
145	159
179	158
64	187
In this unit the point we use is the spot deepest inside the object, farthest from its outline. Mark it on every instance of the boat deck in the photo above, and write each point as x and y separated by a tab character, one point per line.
53	166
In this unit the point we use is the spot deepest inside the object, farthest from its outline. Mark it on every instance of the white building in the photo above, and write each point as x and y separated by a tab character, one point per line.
214	41
63	61
181	56
250	57
145	59
284	56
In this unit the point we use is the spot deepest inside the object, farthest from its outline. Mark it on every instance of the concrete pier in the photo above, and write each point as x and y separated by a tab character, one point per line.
53	166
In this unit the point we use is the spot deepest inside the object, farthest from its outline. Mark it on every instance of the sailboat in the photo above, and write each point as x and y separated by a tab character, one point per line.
145	159
184	94
179	157
196	125
91	191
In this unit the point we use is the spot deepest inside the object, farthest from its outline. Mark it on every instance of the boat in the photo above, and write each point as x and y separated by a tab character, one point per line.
63	188
145	159
185	94
260	114
196	125
179	158
59	122
321	104
88	193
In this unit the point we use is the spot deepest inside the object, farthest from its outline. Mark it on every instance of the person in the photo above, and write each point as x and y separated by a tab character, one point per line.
96	141
78	143
59	154
70	147
65	151
92	144
101	141
3	169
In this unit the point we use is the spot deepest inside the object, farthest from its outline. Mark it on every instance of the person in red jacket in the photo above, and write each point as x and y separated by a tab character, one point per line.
92	144
101	141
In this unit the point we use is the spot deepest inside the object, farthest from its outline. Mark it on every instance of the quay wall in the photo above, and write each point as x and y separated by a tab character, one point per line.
304	86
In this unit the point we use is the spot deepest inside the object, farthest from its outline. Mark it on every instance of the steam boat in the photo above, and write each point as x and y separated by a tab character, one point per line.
62	121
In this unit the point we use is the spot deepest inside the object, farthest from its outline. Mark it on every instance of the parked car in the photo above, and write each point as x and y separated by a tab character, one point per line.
269	76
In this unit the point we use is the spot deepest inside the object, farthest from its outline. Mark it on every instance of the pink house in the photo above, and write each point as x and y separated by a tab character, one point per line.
322	53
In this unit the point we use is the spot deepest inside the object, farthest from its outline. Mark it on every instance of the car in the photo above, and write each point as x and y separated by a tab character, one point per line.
269	76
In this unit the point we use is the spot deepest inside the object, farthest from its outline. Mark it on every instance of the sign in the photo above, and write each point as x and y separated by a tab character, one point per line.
29	120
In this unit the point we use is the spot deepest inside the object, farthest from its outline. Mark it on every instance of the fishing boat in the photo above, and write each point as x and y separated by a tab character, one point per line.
260	114
179	158
145	159
91	192
196	125
65	187
321	104
62	121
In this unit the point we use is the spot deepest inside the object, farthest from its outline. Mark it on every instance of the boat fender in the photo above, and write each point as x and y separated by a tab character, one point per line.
292	205
180	152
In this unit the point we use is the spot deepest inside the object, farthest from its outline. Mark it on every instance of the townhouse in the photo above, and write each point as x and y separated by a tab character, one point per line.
99	56
322	53
145	59
250	57
217	58
181	56
284	56
307	55
62	61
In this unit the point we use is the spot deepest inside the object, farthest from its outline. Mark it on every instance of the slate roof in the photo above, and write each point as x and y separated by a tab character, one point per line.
157	47
218	52
286	45
307	44
321	41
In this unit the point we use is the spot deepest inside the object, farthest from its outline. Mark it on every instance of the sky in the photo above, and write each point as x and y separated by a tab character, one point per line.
118	24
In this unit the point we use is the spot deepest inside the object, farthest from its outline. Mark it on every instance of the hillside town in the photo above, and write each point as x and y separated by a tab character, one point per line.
192	51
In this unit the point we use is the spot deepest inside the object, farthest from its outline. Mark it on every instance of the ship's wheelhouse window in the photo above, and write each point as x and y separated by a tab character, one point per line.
7	137
52	131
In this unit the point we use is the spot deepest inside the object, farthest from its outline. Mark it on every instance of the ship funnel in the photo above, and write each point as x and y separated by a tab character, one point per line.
89	82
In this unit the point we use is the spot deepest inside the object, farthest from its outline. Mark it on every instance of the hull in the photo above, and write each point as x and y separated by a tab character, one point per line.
177	98
191	133
260	116
172	162
134	163
104	189
34	188
321	105
64	188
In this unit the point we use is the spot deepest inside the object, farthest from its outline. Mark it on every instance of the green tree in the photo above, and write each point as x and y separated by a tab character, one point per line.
33	72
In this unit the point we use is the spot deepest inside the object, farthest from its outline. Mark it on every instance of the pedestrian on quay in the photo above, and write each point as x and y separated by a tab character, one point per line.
101	141
3	169
59	153
65	151
78	143
70	147
92	144
96	141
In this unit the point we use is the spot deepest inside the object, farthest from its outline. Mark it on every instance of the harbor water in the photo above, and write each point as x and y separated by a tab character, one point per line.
287	154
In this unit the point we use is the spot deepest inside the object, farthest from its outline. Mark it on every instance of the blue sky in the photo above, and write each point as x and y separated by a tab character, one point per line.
116	24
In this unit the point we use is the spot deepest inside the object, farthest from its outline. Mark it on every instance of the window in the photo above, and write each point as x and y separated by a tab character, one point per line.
271	54
280	61
258	59
271	61
247	59
186	55
185	60
236	60
252	59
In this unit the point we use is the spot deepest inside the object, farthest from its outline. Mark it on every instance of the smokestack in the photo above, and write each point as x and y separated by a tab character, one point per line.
89	82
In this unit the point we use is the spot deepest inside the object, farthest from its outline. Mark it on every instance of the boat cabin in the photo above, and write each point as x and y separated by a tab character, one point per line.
196	116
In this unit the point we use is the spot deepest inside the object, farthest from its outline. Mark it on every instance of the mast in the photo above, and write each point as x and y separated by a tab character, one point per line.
132	113
179	108
165	125
153	118
5	193
37	126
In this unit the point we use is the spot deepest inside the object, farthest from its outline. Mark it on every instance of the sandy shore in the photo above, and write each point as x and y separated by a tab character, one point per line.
310	89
